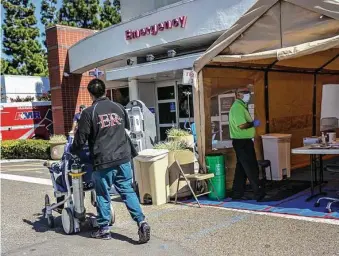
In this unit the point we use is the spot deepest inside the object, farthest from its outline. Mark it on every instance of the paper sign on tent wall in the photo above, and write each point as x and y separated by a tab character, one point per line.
330	101
187	77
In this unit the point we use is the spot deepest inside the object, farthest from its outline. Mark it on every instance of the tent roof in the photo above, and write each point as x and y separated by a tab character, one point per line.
278	30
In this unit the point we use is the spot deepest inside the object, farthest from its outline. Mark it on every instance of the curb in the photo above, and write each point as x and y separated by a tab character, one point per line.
21	161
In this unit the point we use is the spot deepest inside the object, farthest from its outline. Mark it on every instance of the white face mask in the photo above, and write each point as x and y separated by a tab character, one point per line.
246	97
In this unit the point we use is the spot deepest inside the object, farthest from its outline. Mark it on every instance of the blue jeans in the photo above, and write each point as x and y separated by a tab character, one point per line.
121	177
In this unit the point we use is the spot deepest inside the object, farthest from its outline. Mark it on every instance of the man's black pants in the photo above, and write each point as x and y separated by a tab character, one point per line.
246	168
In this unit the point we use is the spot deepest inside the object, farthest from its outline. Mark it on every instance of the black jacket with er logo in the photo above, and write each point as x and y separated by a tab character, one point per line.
103	126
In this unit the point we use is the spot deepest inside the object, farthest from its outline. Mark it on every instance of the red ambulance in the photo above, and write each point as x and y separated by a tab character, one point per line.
26	120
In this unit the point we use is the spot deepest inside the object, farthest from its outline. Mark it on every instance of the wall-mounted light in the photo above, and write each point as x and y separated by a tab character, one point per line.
171	53
130	62
149	57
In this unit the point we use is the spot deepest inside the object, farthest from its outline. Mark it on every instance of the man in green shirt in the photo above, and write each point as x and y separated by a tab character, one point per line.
242	132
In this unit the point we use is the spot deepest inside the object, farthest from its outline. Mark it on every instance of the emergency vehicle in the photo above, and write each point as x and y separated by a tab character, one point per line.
26	120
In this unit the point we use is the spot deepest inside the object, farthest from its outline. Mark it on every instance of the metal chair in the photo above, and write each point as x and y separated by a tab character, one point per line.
335	169
194	177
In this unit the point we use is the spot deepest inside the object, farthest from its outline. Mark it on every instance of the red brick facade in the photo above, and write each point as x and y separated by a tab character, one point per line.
67	92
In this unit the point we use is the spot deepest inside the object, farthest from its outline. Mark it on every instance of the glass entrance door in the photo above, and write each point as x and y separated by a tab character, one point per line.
185	106
167	108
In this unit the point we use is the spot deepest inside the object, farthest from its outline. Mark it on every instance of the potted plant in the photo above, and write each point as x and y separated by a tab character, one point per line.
176	134
57	145
180	151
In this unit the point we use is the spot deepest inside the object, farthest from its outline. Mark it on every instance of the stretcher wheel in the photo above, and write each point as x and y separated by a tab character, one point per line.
50	218
112	216
67	221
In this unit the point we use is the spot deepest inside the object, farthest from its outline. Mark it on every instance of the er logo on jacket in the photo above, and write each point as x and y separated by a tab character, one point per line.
109	120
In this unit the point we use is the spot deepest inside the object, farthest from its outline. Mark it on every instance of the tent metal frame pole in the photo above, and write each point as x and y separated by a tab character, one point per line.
314	106
310	72
267	110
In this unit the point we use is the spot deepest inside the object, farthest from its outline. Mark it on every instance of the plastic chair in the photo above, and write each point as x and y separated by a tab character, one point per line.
335	169
194	177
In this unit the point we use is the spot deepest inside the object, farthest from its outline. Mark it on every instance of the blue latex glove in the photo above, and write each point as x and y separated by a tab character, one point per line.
256	123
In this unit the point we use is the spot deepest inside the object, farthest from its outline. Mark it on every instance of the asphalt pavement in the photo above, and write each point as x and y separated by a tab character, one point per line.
176	229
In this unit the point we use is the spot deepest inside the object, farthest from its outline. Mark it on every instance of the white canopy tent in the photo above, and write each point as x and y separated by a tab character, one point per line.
296	36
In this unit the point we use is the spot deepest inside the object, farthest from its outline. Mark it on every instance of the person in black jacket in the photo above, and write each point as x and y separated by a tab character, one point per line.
103	126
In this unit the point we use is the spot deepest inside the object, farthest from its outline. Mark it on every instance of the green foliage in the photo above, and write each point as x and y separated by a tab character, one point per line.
26	99
89	13
48	14
25	149
109	15
80	13
20	42
44	96
172	145
58	139
4	66
175	132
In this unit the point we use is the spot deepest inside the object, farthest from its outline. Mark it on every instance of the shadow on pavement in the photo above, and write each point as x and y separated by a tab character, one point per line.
40	226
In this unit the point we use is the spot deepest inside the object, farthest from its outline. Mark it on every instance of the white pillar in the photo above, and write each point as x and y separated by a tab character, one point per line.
133	89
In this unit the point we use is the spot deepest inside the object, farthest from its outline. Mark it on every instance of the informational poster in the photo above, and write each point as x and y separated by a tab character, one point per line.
226	103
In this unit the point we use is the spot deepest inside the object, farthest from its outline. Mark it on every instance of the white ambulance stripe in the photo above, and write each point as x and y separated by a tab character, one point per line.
19	127
25	179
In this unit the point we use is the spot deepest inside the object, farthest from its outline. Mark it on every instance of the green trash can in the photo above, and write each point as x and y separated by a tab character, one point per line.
216	164
219	183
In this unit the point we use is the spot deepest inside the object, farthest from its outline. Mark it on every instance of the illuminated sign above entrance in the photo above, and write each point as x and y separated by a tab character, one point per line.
154	29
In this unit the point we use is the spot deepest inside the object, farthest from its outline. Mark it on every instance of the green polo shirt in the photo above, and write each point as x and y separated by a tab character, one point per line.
239	115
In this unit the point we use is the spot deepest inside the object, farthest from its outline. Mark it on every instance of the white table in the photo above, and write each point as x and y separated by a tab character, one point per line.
314	153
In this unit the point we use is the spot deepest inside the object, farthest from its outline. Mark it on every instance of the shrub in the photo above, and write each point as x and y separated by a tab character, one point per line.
25	149
58	139
172	145
175	132
19	99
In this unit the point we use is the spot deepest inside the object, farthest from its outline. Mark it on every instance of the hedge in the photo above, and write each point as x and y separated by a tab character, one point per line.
25	149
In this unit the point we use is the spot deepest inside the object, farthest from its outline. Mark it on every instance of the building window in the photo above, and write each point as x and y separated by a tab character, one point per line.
119	95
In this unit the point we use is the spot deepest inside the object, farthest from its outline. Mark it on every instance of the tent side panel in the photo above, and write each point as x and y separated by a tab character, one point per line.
290	108
220	81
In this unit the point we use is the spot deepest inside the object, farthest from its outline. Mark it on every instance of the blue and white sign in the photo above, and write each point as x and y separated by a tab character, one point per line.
172	107
96	73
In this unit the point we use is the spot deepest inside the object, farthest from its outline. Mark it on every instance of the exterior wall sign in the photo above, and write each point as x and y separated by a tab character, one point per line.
154	29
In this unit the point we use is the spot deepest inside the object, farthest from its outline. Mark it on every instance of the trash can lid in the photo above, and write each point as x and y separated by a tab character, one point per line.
151	155
276	136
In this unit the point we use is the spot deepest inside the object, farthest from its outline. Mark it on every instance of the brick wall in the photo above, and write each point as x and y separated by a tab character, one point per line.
67	92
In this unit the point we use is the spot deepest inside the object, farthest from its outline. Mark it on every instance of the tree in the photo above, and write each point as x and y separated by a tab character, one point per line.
20	41
80	13
48	14
110	14
4	66
116	4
